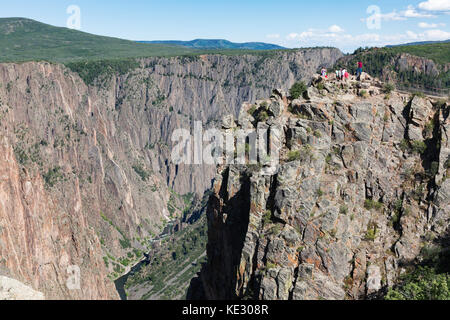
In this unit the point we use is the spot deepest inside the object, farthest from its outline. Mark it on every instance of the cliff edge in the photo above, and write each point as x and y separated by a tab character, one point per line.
361	191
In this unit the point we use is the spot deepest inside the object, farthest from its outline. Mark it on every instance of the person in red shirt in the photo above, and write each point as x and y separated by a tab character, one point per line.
360	68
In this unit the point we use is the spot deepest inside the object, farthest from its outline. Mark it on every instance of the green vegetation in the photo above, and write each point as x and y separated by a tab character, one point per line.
89	71
442	103
388	87
428	281
262	116
21	154
28	40
417	94
371	233
294	155
447	163
413	146
52	176
429	128
267	218
174	264
124	242
298	90
270	265
319	192
422	284
179	203
404	145
160	99
382	63
343	209
418	147
363	93
252	110
438	52
124	261
276	229
419	193
320	86
370	204
329	159
139	169
396	216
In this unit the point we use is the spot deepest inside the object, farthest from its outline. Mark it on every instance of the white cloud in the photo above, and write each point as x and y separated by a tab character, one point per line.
412	35
426	25
435	5
335	29
348	42
411	12
273	36
391	16
436	35
292	36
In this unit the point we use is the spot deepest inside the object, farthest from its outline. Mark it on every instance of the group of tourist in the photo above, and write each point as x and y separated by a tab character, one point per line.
342	73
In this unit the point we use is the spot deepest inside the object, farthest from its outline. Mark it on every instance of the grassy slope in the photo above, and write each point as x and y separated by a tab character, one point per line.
438	52
28	40
25	40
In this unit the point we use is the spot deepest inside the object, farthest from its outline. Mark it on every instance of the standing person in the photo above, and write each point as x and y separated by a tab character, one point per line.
344	73
339	74
360	68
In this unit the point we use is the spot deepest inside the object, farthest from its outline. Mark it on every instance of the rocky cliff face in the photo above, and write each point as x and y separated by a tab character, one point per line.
208	87
360	192
85	170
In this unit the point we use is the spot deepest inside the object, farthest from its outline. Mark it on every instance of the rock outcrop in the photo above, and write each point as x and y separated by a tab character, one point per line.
360	191
11	289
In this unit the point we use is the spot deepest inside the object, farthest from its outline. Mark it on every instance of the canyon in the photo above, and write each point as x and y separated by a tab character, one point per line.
86	179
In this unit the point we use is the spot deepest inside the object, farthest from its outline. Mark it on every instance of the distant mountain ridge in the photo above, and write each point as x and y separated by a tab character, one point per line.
417	43
218	44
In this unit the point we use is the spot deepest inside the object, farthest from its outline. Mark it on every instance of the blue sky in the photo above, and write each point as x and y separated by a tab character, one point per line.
291	23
